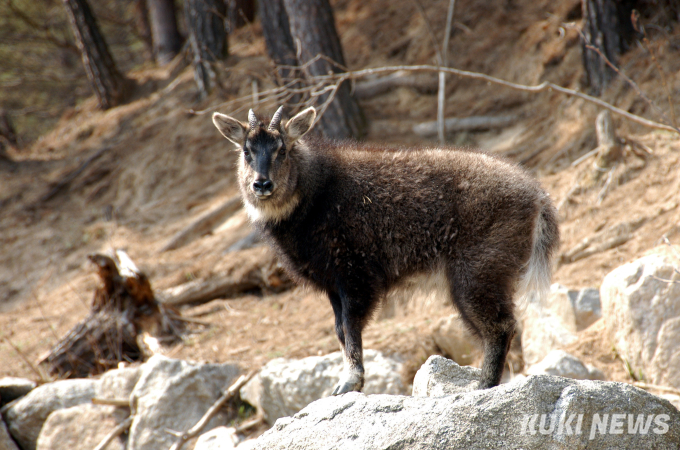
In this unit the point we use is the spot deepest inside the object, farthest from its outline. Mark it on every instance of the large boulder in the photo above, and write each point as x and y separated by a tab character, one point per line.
563	364
641	309
536	412
27	416
6	441
454	339
118	383
552	323
12	388
83	426
283	386
172	394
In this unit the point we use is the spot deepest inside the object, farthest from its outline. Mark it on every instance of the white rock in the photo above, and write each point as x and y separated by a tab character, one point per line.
12	388
455	340
563	364
439	377
587	307
283	386
118	383
507	416
219	438
641	310
174	394
26	417
6	441
83	426
542	332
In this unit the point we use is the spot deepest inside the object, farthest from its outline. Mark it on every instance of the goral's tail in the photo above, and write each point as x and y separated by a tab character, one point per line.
535	281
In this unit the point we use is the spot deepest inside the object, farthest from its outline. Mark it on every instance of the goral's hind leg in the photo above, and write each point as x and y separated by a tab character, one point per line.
349	320
485	304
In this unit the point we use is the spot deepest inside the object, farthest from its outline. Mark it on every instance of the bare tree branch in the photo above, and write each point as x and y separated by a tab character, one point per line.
196	429
331	81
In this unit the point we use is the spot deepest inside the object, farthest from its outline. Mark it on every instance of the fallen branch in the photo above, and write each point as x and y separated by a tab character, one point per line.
378	86
453	124
258	270
66	181
204	224
120	402
196	429
120	429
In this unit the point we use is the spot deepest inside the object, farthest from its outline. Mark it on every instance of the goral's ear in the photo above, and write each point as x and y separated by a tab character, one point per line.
299	125
230	128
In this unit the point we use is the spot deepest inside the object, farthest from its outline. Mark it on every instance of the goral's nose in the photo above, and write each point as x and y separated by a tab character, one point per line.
263	187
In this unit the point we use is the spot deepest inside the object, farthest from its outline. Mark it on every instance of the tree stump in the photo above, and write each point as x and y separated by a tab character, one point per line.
124	315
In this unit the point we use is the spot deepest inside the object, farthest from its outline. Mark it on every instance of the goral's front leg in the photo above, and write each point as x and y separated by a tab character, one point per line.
348	328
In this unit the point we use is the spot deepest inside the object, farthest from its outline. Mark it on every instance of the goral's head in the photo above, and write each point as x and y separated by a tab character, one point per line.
270	162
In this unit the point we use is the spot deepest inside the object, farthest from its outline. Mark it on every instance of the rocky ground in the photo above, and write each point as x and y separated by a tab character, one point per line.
163	166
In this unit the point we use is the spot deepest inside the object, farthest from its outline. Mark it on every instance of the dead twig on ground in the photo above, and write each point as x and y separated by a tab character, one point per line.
204	224
182	438
427	129
120	429
120	402
66	181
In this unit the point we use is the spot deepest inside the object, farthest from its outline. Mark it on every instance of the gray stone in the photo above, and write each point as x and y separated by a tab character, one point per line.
83	426
587	307
220	438
439	377
455	340
283	386
641	310
6	441
543	332
118	383
563	364
12	388
27	415
560	304
536	412
173	395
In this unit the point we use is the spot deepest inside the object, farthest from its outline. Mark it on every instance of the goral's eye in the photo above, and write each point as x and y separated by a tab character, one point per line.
282	151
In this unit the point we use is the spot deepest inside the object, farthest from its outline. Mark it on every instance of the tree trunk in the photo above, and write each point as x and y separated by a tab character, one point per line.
279	43
141	14
312	24
207	34
240	12
8	137
607	27
166	39
110	86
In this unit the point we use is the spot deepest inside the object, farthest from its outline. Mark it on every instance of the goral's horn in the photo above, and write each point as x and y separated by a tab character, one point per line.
276	120
252	120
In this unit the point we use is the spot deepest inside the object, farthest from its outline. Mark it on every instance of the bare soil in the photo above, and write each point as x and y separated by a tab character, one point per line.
164	166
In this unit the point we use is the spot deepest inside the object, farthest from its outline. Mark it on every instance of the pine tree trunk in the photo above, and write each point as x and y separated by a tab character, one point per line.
207	34
312	23
607	27
141	15
240	12
279	43
166	39
110	86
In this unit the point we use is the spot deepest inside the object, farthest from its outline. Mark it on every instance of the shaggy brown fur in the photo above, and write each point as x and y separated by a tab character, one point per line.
354	221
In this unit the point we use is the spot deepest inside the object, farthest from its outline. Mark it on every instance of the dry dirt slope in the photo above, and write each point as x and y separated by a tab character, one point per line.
164	167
